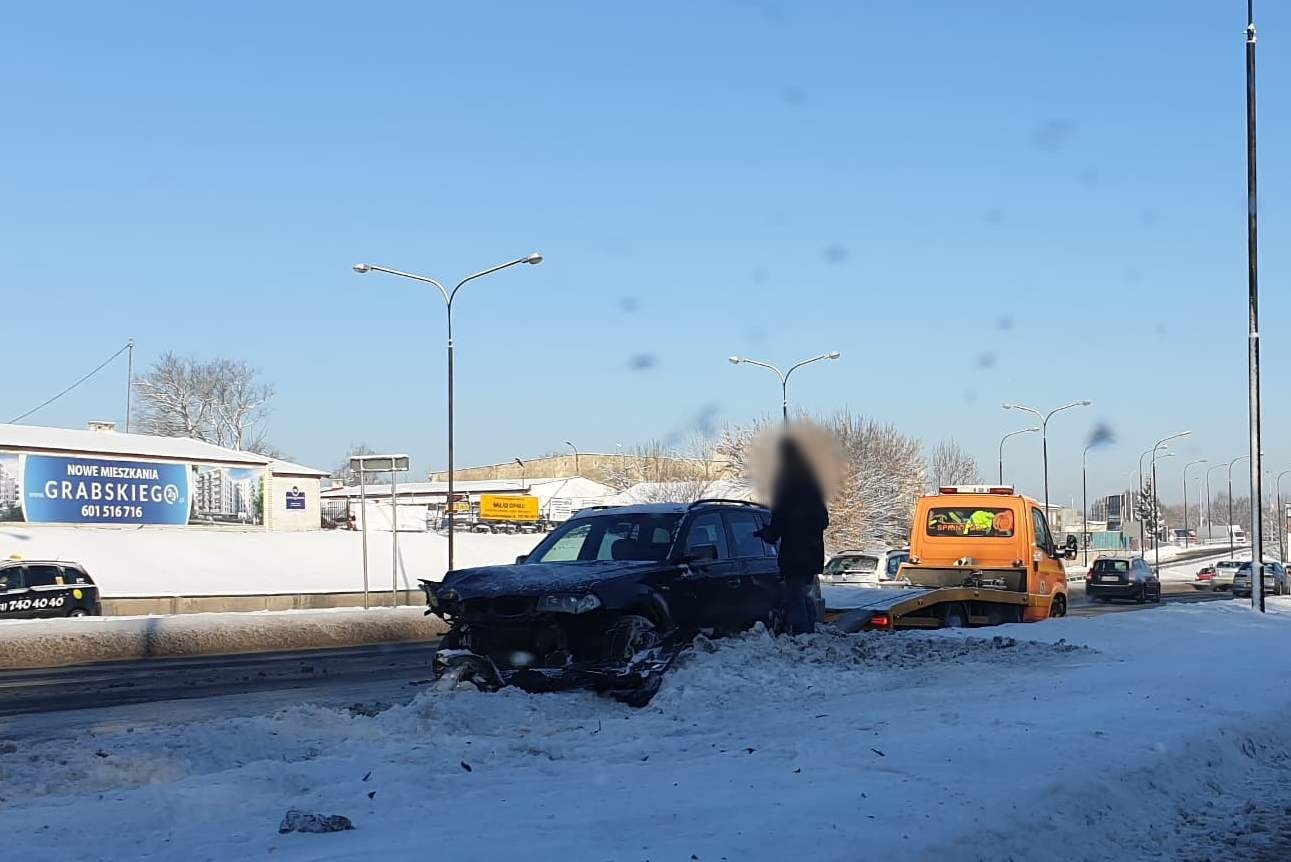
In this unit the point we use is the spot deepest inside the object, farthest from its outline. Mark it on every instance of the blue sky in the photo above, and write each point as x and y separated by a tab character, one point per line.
973	202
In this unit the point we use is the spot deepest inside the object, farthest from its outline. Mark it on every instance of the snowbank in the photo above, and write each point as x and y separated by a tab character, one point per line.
54	643
1092	740
203	562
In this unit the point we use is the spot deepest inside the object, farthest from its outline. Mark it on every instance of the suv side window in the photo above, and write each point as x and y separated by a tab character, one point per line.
707	529
1042	536
43	576
743	525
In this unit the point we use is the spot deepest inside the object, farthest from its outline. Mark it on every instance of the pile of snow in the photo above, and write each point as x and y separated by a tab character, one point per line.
215	562
1074	739
59	642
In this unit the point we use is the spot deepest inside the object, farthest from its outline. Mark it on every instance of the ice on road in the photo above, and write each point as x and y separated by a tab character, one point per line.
1155	735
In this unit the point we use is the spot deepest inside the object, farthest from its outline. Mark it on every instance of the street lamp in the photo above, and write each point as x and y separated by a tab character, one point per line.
1084	504
1210	520
1231	548
1007	436
1156	517
1185	498
1282	519
524	472
449	296
784	375
577	465
1044	435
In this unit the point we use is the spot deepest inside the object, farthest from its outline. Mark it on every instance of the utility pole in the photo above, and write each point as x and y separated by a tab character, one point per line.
1253	303
129	379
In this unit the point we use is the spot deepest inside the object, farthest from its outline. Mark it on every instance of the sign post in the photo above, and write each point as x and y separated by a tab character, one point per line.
392	464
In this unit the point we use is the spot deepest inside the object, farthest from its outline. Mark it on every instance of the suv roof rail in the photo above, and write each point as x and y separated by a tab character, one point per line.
709	500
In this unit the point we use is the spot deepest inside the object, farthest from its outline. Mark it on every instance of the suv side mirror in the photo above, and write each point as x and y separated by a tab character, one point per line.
521	559
700	554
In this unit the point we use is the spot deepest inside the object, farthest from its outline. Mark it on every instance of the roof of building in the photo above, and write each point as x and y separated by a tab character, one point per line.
571	486
38	438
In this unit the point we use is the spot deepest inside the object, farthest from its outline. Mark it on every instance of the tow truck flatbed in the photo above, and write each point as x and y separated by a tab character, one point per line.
855	608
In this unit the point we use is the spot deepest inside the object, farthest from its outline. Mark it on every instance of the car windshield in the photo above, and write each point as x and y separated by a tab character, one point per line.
1228	564
640	536
1108	567
974	521
849	564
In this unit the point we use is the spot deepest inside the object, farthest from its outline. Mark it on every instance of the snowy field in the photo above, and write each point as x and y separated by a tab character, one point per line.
1093	739
193	562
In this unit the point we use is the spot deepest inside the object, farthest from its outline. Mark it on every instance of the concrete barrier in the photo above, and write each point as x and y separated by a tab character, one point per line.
143	605
84	640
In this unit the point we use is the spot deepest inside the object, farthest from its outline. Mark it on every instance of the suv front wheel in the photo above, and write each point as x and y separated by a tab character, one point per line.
628	636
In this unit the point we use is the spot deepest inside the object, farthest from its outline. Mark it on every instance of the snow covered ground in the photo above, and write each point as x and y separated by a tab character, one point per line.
196	562
1086	739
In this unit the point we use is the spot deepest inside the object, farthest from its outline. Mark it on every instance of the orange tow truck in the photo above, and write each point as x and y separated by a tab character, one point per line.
980	555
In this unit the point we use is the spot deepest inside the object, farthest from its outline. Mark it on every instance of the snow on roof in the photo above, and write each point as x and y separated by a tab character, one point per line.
76	441
67	440
649	492
568	487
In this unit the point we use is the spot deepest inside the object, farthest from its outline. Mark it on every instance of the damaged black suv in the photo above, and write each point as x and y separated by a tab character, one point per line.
608	599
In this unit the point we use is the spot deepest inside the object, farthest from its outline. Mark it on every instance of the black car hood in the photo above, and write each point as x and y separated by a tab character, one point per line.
536	579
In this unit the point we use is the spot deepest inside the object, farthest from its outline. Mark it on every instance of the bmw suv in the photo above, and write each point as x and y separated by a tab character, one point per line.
606	600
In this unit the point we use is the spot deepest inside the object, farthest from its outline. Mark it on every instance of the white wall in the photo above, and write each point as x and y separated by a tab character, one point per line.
278	517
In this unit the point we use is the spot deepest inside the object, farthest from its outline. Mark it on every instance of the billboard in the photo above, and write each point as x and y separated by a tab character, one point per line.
59	489
508	507
71	489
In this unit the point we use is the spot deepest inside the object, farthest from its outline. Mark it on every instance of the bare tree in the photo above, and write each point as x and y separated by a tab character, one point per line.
949	464
220	401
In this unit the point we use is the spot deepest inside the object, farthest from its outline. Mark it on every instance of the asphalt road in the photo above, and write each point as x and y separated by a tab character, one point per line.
298	674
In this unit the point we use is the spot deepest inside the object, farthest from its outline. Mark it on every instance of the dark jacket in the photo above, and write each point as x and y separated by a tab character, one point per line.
798	521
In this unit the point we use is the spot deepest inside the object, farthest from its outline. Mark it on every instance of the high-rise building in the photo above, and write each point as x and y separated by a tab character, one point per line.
215	493
10	490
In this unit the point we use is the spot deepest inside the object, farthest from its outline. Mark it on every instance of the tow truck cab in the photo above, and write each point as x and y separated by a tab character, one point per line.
991	538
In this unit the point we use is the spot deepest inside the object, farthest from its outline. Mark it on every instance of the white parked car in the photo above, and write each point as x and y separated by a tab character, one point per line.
875	567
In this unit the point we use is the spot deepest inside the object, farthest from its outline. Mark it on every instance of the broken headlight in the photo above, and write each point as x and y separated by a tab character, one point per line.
565	603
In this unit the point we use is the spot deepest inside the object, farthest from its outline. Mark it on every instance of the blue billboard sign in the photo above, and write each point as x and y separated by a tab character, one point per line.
70	490
295	499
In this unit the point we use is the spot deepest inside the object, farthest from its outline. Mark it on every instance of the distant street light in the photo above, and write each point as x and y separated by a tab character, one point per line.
1210	520
1084	504
449	296
1185	498
1156	544
577	466
784	376
1044	436
1282	519
1007	436
1232	548
524	471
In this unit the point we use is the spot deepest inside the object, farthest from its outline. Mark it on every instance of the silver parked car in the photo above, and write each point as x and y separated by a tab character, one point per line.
1275	580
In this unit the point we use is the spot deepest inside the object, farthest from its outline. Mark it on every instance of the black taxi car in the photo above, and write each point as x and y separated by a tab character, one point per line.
608	599
31	589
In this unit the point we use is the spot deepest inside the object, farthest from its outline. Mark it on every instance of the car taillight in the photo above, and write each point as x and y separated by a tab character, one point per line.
880	621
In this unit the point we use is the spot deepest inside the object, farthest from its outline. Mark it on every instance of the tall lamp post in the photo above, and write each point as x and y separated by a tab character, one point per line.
1156	515
1084	504
1210	519
1253	313
524	472
449	296
577	462
1044	437
783	375
1231	547
1185	498
1282	519
1007	436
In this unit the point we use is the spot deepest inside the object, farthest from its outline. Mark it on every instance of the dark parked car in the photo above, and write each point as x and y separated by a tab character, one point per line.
1275	580
608	599
31	589
1122	578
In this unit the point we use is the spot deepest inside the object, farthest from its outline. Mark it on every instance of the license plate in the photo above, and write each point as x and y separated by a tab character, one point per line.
1109	579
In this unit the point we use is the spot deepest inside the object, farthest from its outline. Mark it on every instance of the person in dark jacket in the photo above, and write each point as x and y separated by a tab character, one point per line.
798	521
